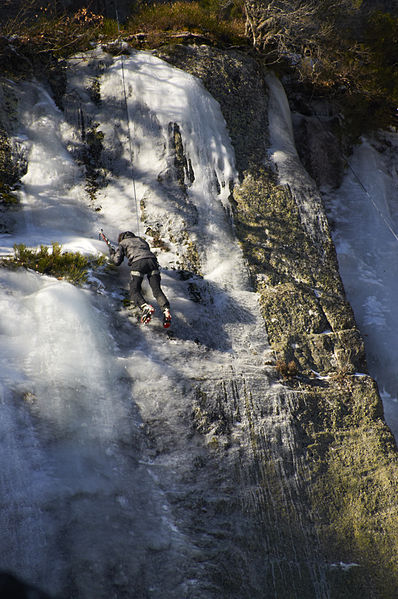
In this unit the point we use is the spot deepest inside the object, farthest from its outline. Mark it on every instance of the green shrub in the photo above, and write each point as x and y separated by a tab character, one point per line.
226	10
72	266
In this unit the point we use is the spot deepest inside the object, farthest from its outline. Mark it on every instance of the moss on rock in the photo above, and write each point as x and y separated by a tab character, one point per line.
301	296
351	454
353	480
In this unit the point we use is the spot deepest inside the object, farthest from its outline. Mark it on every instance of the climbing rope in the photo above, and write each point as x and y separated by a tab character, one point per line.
128	126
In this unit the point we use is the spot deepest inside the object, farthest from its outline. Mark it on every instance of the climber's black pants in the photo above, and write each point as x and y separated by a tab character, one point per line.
150	268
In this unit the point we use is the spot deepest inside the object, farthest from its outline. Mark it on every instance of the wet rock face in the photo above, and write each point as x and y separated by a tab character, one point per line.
347	454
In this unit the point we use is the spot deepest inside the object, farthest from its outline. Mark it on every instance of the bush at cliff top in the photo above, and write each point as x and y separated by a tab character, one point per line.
340	52
45	30
60	34
205	17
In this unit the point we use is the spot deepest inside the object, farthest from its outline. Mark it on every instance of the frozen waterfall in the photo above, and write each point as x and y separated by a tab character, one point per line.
99	492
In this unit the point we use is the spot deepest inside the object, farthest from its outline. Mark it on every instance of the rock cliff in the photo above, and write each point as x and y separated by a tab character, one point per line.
284	474
351	462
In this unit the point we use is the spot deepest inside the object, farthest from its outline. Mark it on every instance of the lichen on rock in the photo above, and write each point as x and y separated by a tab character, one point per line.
301	296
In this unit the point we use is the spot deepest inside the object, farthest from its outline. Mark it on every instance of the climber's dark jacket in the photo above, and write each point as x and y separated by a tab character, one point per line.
143	263
133	248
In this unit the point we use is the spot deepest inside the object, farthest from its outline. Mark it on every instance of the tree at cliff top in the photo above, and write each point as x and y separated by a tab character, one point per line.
343	49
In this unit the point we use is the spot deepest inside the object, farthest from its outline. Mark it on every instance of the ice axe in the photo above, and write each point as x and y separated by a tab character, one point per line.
103	237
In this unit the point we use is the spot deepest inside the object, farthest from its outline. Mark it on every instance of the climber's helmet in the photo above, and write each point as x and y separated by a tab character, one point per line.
124	235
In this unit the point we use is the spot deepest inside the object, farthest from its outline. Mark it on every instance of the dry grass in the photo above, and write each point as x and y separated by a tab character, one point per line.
161	21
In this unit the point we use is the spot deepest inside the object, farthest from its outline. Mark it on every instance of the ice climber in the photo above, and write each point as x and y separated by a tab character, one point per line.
142	262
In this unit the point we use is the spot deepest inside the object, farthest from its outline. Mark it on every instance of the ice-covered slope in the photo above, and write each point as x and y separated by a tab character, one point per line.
100	416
